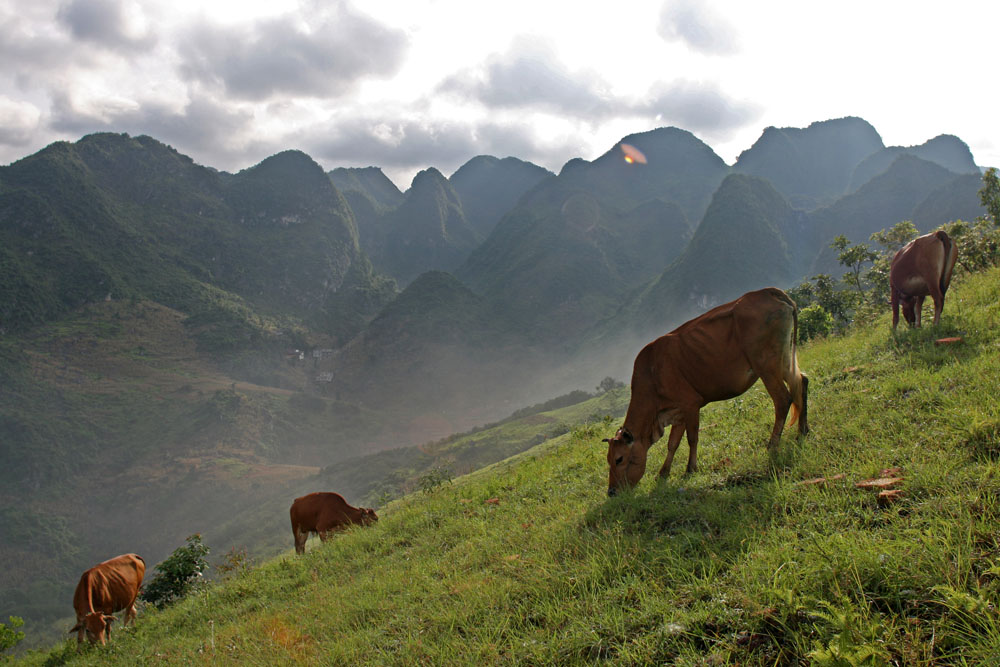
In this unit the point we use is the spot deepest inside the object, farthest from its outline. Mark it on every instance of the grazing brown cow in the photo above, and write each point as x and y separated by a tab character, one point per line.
104	589
716	356
325	512
921	267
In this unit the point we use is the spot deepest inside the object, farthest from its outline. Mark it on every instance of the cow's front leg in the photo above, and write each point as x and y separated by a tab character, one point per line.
676	431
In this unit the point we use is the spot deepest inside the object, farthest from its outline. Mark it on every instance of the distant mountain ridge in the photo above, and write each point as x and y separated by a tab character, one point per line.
811	166
121	217
489	187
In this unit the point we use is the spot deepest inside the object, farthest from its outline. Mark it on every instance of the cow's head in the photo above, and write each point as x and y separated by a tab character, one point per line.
368	516
626	461
97	625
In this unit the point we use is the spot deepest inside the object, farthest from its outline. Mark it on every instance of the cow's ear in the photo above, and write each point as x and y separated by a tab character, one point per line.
627	437
76	628
109	619
607	440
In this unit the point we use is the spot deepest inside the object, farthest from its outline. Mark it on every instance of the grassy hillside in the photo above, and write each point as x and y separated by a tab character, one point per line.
748	561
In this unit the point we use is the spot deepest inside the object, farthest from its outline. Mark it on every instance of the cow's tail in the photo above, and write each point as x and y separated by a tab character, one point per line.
950	255
794	379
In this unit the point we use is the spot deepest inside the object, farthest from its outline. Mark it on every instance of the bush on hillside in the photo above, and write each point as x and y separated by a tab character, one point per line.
179	574
9	636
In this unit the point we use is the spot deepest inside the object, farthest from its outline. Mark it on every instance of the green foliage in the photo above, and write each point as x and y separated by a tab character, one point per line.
10	636
978	243
435	478
609	384
854	257
989	195
814	322
236	561
179	574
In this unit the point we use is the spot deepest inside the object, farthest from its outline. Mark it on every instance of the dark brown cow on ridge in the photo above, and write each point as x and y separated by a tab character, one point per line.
324	512
716	356
104	589
922	267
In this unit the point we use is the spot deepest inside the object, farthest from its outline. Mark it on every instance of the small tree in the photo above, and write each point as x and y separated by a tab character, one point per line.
9	636
989	195
853	257
608	384
814	321
179	574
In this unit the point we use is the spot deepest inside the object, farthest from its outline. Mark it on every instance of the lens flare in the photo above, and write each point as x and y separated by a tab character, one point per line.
632	154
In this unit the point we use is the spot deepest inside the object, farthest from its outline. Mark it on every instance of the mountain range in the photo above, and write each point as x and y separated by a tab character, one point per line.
197	342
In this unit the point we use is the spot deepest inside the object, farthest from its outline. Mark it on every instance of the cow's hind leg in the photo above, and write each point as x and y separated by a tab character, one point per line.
692	423
779	393
803	424
918	310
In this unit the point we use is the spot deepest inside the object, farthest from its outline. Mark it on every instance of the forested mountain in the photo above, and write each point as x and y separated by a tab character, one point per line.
894	195
679	168
427	231
489	187
945	150
119	217
563	258
811	166
742	243
369	180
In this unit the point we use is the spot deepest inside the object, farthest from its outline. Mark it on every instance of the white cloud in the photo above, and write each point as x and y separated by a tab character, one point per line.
694	23
18	121
321	55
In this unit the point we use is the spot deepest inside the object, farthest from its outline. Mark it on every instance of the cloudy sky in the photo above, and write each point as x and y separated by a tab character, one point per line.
407	84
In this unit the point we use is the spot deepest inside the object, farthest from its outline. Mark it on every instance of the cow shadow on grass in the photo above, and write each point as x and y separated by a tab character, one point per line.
719	506
689	531
934	346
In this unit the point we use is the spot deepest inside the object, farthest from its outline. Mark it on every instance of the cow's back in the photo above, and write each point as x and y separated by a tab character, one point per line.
928	259
110	586
314	512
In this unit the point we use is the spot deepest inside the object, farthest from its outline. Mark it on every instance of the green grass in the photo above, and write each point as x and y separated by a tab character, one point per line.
528	562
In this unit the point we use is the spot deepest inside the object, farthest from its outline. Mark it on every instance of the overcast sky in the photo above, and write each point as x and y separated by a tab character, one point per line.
407	84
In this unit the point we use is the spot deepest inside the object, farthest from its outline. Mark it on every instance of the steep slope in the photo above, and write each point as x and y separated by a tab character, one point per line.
369	180
945	150
740	245
811	166
756	558
488	187
955	200
427	231
116	431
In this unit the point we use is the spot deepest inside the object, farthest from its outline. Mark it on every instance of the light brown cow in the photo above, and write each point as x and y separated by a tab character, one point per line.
716	356
324	513
922	267
104	589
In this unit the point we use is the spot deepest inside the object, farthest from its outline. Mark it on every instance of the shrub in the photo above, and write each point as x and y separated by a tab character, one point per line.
814	321
236	561
179	574
434	478
9	637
